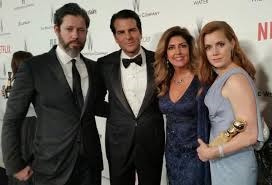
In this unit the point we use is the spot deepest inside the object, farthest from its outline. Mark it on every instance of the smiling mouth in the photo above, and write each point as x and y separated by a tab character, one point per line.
179	58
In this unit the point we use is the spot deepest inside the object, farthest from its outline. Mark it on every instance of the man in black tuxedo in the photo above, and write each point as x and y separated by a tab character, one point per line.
65	91
135	128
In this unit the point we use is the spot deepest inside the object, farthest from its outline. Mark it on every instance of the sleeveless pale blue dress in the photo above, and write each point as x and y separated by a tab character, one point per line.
239	168
182	162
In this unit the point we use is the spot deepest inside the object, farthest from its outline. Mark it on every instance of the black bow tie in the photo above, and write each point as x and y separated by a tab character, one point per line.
137	60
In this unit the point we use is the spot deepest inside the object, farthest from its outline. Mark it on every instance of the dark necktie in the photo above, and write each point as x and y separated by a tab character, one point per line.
137	60
77	91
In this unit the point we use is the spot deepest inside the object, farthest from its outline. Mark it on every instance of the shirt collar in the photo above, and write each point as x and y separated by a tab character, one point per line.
64	57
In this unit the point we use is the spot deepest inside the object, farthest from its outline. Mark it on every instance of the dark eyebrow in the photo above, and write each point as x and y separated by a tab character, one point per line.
179	43
132	29
120	31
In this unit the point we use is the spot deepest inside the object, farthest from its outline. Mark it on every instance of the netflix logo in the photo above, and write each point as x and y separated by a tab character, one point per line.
5	48
264	31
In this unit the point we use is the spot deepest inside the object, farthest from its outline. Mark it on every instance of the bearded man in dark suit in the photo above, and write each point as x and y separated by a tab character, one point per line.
63	87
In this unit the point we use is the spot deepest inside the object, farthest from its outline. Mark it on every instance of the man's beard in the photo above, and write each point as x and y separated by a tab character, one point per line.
74	51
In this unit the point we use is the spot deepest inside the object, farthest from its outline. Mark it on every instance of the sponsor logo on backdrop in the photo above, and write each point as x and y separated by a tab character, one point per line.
23	23
1	26
52	42
265	93
2	29
52	12
4	70
25	46
50	26
92	12
90	51
5	48
143	14
146	39
200	2
199	24
264	30
89	42
24	4
136	5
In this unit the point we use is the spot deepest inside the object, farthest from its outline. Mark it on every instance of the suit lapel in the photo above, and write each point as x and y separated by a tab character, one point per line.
55	66
117	82
150	81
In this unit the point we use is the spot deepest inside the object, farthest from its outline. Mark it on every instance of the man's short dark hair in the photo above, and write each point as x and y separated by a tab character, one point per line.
70	9
125	14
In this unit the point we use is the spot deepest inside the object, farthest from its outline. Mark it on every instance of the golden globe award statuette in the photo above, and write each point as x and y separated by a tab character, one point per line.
7	88
236	127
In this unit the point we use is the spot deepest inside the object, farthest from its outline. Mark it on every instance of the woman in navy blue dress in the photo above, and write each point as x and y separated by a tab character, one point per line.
181	100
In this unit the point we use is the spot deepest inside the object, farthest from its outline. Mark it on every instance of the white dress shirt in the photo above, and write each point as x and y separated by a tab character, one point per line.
66	64
134	82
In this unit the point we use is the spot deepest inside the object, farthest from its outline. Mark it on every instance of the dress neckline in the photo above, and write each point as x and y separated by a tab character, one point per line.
184	94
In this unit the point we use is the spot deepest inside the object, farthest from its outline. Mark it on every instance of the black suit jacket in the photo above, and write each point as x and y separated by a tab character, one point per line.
126	134
60	123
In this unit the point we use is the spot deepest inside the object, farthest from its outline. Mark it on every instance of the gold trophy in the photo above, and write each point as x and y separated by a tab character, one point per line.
7	88
236	127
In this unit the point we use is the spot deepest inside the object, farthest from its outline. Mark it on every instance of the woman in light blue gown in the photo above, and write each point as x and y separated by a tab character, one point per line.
232	95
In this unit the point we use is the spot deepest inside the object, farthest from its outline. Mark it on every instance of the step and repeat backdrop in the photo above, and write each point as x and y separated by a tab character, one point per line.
28	25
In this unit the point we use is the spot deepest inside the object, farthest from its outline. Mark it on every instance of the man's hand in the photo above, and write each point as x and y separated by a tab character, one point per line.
24	174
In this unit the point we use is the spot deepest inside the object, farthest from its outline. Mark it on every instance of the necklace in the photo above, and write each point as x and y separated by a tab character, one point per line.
178	82
182	80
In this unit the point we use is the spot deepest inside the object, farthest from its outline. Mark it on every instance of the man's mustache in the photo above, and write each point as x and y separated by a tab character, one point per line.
75	42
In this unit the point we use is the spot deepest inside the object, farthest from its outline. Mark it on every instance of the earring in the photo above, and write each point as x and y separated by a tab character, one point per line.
167	63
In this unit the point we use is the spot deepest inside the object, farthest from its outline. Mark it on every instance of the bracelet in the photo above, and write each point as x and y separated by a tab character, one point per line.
221	151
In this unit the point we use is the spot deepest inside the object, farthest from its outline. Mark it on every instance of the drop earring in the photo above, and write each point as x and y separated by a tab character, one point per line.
167	63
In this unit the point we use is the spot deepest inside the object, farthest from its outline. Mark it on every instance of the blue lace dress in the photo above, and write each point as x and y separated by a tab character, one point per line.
182	162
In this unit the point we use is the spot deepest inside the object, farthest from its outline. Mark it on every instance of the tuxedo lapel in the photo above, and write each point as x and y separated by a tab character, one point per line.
117	83
150	81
